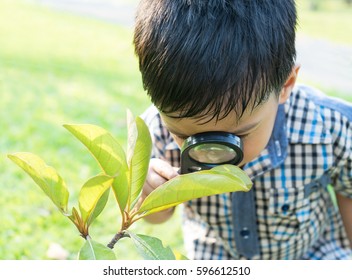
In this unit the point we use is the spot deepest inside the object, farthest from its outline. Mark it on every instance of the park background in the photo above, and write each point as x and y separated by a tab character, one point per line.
73	62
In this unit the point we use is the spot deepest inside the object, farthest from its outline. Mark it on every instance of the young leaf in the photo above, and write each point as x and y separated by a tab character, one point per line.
151	248
77	221
93	197
138	155
109	154
45	176
226	178
93	250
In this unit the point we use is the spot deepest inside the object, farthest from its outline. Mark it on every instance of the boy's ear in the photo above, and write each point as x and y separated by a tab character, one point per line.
289	84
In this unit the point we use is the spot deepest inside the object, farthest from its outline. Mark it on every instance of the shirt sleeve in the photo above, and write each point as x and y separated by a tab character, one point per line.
342	179
164	146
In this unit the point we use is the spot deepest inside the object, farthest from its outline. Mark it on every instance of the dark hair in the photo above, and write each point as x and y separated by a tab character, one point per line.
200	57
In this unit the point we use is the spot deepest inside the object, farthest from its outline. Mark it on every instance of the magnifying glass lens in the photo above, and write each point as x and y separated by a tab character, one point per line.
212	153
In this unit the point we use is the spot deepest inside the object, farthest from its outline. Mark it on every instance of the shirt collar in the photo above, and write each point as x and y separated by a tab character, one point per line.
277	146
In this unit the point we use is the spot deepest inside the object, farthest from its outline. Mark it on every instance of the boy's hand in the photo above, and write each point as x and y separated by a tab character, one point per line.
159	172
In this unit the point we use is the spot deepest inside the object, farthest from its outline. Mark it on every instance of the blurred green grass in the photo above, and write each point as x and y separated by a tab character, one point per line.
57	68
54	69
332	20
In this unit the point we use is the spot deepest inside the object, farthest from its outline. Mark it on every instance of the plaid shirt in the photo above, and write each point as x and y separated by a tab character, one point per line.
289	213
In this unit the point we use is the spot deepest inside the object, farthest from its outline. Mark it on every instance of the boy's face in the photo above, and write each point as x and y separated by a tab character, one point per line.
254	127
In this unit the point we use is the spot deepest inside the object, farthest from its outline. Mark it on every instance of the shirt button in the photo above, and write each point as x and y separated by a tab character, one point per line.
285	207
245	233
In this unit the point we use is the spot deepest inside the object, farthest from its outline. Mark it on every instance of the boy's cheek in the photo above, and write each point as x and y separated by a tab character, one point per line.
179	141
252	149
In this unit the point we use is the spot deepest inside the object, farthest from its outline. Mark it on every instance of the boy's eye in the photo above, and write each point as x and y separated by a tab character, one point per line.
243	136
182	137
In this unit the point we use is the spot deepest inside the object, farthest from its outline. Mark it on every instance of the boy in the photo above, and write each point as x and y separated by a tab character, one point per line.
229	65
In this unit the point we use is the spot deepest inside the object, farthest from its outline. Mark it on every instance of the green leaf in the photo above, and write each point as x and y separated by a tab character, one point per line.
93	250
109	154
93	197
221	179
180	257
233	170
138	155
99	206
46	178
151	248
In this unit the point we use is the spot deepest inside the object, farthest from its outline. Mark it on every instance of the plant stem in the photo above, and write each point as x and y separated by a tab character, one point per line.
116	238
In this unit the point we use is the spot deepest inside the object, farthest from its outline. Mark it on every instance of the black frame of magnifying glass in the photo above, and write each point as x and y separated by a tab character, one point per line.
188	164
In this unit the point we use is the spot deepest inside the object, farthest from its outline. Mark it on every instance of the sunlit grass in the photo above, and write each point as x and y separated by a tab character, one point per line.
332	20
54	69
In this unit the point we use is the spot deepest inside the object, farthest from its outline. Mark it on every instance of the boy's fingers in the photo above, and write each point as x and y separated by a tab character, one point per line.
156	179
163	168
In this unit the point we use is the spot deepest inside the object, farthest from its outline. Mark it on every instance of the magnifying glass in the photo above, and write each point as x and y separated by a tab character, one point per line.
206	150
